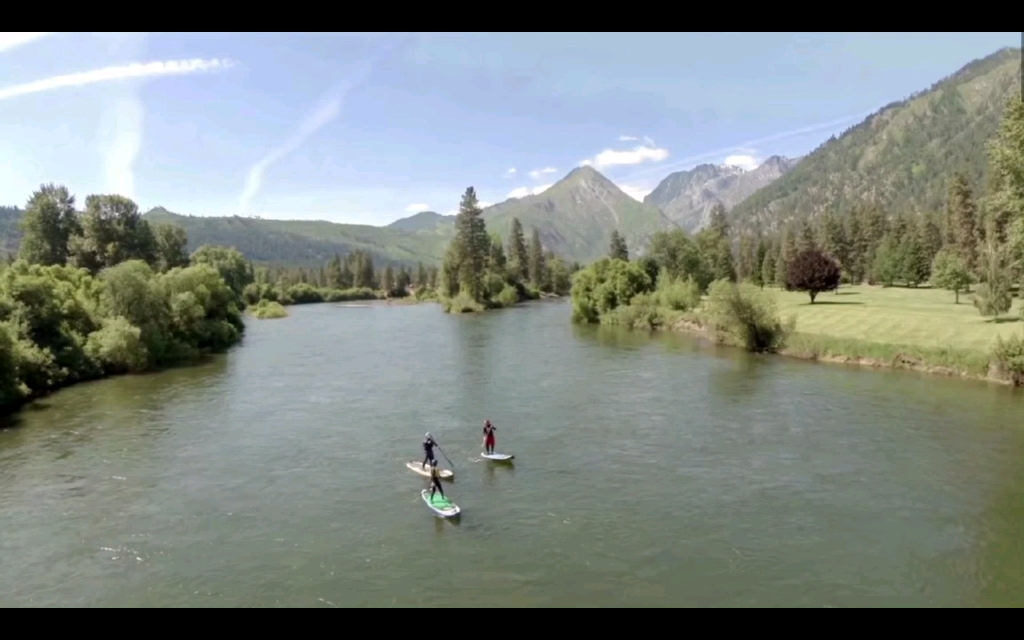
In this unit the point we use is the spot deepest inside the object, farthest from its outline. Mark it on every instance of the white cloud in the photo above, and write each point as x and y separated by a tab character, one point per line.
417	208
628	138
13	39
122	141
747	163
586	163
537	173
639	155
522	192
135	70
510	173
637	193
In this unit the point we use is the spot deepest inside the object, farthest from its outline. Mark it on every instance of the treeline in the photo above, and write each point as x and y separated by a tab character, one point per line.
101	292
480	273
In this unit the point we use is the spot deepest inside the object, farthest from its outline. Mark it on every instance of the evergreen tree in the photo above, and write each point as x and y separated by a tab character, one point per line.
469	251
536	259
931	237
387	280
784	257
833	241
857	244
915	262
806	241
517	254
760	253
718	222
421	275
1005	197
963	218
49	222
497	260
334	272
768	267
617	249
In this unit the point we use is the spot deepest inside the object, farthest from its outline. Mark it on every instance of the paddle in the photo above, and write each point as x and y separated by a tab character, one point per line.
445	455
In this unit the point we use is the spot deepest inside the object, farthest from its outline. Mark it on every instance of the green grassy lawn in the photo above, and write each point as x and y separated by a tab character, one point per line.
922	317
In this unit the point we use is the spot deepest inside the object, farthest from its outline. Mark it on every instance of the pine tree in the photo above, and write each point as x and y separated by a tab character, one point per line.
768	267
785	255
962	216
387	280
857	248
759	256
536	259
1005	193
617	249
470	249
834	242
334	272
718	222
517	254
806	241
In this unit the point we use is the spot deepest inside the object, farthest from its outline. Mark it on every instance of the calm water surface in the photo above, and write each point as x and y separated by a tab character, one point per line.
649	471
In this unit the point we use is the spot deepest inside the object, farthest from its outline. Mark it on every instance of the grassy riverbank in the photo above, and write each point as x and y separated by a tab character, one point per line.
918	329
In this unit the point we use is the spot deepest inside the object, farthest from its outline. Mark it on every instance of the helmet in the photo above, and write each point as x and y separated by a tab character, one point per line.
428	434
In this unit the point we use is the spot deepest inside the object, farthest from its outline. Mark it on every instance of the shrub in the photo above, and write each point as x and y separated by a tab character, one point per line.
1009	357
745	316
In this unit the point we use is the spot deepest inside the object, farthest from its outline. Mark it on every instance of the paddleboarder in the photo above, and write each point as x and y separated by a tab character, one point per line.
428	448
435	481
488	436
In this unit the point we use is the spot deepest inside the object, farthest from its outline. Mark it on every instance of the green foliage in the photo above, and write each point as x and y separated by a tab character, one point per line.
1005	196
171	243
50	221
1009	356
993	297
605	285
745	316
678	256
267	309
678	295
112	232
949	271
229	263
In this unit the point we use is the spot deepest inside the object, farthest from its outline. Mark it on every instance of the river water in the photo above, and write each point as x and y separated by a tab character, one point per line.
649	471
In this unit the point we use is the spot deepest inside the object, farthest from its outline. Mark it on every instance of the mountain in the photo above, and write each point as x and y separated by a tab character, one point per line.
302	242
423	221
903	155
575	217
686	197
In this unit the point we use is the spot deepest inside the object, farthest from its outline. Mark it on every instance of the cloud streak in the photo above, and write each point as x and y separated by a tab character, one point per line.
537	173
13	39
124	141
328	109
746	146
109	74
639	155
417	208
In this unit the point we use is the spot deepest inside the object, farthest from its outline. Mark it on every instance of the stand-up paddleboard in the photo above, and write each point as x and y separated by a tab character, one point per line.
440	505
418	468
497	457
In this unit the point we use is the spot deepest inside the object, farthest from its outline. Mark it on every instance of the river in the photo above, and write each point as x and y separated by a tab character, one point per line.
649	471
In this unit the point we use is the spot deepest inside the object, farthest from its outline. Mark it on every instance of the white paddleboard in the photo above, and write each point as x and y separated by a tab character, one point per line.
418	468
442	507
497	456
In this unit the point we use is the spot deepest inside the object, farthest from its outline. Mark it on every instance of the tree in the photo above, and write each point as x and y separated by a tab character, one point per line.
784	256
993	297
618	250
915	263
333	275
747	263
497	260
171	243
949	271
387	280
858	248
887	264
962	215
812	271
113	231
49	222
677	255
931	237
229	263
718	222
768	268
1005	198
757	270
834	242
536	259
471	246
421	275
517	254
806	240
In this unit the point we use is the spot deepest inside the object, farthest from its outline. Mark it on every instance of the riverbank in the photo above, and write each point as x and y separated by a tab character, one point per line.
920	329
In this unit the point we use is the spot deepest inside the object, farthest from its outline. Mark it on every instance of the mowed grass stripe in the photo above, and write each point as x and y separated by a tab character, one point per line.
925	317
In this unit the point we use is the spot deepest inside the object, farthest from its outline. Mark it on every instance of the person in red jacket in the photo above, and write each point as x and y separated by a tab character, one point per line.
488	436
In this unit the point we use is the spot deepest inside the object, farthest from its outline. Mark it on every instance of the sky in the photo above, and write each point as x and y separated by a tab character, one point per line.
368	128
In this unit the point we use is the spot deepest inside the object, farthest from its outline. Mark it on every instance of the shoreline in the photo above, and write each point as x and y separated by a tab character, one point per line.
901	361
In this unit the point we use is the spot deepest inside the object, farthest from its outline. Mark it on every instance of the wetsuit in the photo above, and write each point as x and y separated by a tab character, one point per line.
428	449
489	442
435	484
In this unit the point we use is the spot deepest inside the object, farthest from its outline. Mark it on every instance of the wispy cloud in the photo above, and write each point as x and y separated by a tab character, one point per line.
14	39
745	162
747	146
537	173
614	158
108	74
122	143
522	192
510	173
628	138
417	208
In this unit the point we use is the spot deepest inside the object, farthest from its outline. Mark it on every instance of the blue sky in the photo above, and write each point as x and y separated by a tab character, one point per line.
368	128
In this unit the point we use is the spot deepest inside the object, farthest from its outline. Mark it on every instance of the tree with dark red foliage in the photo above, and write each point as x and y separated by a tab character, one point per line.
812	271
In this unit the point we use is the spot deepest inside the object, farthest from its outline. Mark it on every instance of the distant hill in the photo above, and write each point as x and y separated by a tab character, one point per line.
423	221
903	155
10	230
576	216
298	242
687	197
